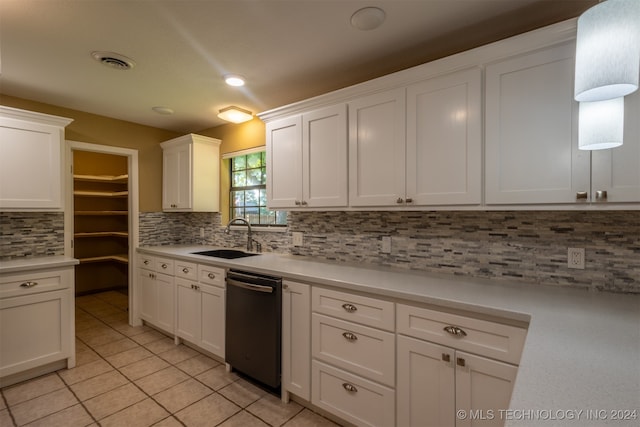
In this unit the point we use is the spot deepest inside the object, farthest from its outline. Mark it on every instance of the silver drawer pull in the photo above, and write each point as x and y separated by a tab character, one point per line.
461	362
211	276
185	270
349	387
454	330
349	307
28	284
164	266
349	336
146	262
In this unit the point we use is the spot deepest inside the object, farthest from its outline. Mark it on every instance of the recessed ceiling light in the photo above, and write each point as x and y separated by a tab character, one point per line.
234	80
114	60
367	18
163	110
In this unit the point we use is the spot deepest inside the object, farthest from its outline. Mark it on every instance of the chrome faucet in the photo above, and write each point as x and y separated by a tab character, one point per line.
244	221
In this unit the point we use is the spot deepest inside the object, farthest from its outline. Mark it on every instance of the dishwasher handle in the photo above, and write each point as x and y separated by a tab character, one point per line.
250	286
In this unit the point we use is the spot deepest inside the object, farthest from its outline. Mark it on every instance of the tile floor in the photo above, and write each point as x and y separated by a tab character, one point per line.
135	376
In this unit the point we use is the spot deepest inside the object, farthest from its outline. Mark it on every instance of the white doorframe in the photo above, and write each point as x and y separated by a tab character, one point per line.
132	160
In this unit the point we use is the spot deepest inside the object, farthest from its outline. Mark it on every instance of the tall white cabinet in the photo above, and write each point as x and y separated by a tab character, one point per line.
31	153
307	159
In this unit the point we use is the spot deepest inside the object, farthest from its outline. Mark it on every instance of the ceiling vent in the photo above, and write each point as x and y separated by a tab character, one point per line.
113	60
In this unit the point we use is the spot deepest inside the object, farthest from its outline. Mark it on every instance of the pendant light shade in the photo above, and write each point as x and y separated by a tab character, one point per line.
601	124
608	51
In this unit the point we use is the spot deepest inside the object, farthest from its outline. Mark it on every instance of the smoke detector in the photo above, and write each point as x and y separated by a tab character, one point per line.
113	60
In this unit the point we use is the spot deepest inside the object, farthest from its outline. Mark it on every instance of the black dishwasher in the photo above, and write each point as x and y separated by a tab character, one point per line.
253	325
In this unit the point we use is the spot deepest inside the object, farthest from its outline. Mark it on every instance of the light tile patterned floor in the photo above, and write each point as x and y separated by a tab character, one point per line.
138	377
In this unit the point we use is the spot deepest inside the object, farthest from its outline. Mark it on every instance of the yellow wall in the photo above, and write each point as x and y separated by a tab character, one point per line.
103	130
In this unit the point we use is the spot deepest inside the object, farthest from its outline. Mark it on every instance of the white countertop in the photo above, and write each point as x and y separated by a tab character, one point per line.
38	263
581	361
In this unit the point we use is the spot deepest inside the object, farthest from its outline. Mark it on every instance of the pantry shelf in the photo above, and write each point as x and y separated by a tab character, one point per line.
122	258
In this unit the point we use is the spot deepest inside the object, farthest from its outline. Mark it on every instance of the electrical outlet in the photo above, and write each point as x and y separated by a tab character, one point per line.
385	246
201	231
297	238
575	258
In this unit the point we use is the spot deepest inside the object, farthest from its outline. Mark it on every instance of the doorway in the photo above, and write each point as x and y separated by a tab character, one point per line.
101	218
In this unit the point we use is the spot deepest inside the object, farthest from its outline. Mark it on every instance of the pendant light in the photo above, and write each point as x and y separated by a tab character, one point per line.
608	51
601	124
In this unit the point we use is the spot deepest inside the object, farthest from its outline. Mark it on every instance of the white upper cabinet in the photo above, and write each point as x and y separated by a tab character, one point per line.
377	149
531	142
31	153
617	171
191	174
307	160
444	140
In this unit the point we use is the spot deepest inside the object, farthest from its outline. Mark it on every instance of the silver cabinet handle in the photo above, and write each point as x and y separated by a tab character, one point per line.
350	336
460	362
582	195
409	200
399	200
349	387
164	266
601	196
454	330
211	276
349	307
298	202
28	284
446	357
146	262
303	203
185	270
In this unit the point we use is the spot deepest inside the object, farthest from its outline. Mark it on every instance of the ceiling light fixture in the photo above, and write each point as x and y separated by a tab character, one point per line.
113	60
234	80
235	114
163	110
608	51
367	18
601	124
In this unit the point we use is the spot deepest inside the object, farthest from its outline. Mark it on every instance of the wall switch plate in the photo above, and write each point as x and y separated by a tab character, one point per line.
297	238
385	246
201	231
575	258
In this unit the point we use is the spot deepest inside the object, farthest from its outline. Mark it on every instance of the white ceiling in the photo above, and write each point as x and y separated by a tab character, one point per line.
288	50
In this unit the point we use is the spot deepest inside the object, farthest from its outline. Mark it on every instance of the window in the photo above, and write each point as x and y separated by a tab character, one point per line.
248	195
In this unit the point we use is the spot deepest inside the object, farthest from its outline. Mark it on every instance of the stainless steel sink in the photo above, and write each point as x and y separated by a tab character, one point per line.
225	253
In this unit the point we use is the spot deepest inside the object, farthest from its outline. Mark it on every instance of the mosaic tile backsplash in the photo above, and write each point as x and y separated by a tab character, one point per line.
520	246
28	235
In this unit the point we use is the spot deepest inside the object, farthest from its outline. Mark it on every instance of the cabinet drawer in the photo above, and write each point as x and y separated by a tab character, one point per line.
187	270
35	282
146	261
355	308
495	340
211	275
355	399
164	265
365	351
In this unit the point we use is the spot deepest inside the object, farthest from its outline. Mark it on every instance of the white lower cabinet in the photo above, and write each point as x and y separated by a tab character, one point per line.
36	321
200	310
296	339
435	382
156	298
351	397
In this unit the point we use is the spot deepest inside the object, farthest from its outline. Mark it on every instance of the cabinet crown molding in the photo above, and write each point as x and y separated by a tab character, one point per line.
31	116
191	137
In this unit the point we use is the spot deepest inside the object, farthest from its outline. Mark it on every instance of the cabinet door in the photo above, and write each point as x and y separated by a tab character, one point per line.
617	171
426	381
165	292
30	165
532	151
377	149
444	140
284	163
296	339
148	295
324	157
187	311
483	386
35	331
212	304
176	182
